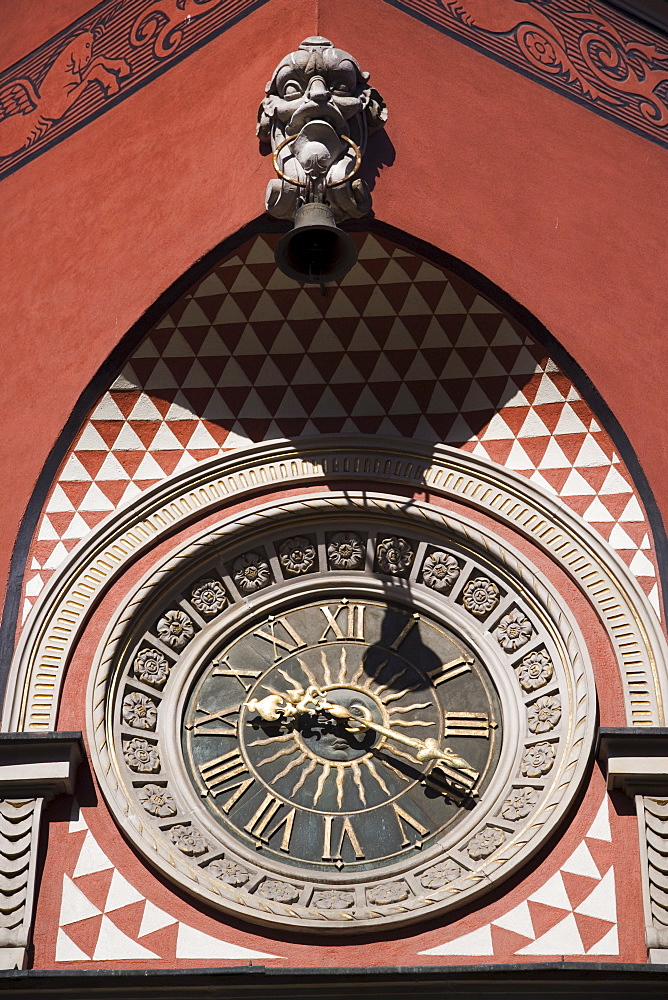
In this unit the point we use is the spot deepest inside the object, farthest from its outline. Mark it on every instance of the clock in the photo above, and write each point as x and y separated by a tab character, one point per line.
308	734
340	712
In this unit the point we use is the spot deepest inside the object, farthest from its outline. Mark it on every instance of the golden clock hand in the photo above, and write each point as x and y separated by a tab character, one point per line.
287	706
428	749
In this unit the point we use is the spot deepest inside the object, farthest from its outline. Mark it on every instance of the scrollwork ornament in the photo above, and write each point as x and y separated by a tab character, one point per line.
296	555
209	597
540	48
176	629
346	551
157	801
440	570
188	840
544	714
538	760
394	555
593	59
279	892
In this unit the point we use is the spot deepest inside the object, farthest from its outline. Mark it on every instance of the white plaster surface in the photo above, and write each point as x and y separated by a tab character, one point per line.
581	863
121	893
113	945
562	939
74	905
192	943
91	858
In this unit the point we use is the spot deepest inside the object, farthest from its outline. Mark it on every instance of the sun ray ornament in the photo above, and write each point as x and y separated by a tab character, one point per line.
317	114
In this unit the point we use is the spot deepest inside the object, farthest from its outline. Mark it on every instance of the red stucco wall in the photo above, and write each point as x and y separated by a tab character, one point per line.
561	208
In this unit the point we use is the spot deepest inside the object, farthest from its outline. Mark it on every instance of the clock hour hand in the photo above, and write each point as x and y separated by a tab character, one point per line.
299	701
312	700
454	766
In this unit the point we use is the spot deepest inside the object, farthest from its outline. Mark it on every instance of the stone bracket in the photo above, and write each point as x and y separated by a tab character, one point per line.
635	761
34	767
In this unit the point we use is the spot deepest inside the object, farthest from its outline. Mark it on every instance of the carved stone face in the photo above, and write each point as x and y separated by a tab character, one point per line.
317	114
317	82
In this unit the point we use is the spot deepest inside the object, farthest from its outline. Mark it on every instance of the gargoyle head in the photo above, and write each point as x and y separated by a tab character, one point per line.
318	82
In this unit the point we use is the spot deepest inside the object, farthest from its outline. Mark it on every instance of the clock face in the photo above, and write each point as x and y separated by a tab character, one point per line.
307	735
325	720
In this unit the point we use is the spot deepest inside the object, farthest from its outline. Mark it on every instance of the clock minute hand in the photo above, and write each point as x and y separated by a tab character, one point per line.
452	764
312	700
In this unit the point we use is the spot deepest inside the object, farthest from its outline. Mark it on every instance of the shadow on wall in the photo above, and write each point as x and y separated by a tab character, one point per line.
398	348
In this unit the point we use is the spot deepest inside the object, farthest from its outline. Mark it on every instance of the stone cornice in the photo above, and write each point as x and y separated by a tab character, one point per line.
635	760
39	764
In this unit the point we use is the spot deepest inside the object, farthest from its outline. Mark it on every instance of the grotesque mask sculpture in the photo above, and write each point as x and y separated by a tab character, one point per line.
318	113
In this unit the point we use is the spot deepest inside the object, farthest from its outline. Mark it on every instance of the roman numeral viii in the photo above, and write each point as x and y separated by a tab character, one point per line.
226	774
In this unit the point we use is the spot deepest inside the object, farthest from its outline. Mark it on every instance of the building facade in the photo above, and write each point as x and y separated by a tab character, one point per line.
334	632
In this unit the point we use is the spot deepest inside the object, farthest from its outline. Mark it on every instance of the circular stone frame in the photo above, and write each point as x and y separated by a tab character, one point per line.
62	610
522	586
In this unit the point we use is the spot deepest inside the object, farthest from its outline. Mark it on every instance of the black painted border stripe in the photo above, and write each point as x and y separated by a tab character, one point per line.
264	225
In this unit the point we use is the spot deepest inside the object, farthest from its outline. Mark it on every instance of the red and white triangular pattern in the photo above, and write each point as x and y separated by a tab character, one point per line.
573	913
399	347
103	917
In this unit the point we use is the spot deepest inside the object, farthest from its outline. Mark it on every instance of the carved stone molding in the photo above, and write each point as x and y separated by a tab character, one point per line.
61	612
635	760
19	826
544	756
33	769
653	826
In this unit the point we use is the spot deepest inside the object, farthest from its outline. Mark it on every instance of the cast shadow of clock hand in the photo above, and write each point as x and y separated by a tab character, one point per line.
403	629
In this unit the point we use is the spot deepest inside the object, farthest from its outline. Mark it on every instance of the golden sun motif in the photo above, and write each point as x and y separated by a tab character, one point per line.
339	682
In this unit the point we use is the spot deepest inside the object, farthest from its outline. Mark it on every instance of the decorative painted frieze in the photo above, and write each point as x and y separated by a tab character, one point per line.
588	52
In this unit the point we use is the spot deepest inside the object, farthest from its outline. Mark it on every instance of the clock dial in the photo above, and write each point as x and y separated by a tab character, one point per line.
272	743
319	717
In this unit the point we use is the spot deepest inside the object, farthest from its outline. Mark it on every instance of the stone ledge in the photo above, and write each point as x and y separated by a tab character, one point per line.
39	765
635	760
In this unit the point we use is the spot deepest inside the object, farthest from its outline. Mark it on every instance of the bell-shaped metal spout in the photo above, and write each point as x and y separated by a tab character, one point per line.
316	250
